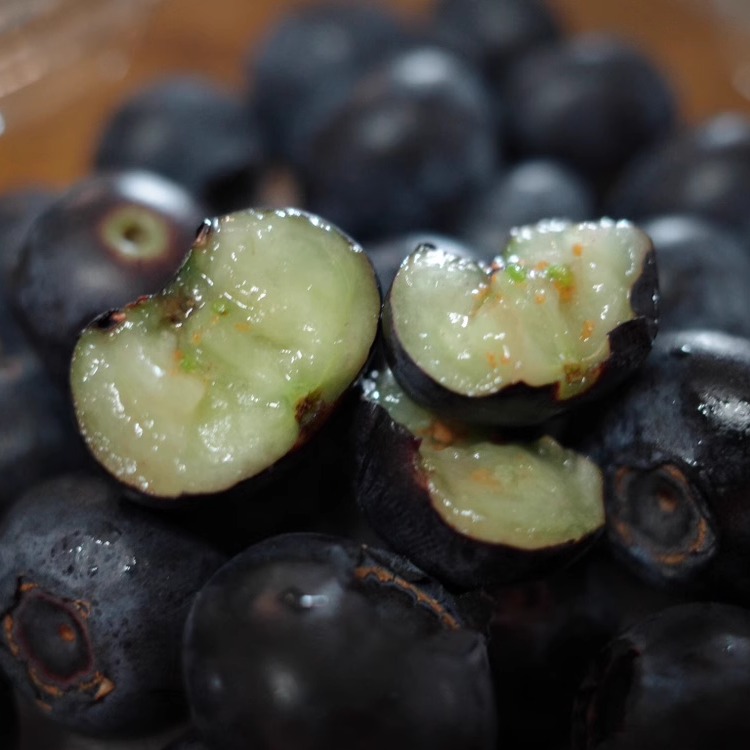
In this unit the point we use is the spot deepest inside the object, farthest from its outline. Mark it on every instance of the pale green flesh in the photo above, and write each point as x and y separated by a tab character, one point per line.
282	308
542	316
526	495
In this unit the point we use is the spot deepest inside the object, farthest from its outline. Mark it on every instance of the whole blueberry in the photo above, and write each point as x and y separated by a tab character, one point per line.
191	131
307	63
94	592
413	141
702	170
528	192
107	240
704	274
495	33
592	101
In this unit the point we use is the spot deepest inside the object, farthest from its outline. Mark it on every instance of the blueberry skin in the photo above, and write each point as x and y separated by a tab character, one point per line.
702	170
94	593
190	740
307	64
591	101
104	242
679	679
191	131
544	634
704	275
525	194
674	448
38	434
307	641
8	717
413	142
495	33
18	210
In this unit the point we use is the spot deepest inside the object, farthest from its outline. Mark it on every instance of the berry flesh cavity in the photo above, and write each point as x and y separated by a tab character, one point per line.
236	363
471	507
566	312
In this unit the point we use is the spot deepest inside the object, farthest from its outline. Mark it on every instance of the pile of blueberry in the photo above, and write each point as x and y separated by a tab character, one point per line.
333	414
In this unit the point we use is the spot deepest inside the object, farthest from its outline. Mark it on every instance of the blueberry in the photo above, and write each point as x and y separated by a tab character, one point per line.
18	210
307	64
307	641
673	445
473	507
545	633
527	193
105	241
38	435
191	131
703	170
591	101
413	141
94	592
560	317
495	33
695	258
236	363
676	679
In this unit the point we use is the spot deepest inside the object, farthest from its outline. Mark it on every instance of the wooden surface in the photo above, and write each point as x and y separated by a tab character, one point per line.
54	146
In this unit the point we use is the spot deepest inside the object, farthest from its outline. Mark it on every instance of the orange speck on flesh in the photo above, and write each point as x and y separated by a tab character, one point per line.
540	298
485	477
565	291
578	250
587	330
243	327
543	265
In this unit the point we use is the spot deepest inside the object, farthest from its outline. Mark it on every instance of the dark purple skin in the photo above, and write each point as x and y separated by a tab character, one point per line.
79	258
704	275
38	434
406	149
673	445
591	101
544	634
8	717
520	405
190	740
373	653
94	593
679	679
193	132
393	493
18	210
528	192
702	170
493	34
338	42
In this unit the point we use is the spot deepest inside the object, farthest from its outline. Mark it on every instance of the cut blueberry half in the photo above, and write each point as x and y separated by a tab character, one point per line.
564	314
465	505
237	362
